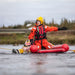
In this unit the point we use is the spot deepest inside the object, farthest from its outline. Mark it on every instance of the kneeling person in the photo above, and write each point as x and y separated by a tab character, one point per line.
39	32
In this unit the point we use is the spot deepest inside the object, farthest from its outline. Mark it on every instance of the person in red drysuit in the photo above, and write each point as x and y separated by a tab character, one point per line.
39	32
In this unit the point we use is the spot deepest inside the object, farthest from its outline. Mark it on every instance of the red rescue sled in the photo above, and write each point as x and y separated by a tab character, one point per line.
54	49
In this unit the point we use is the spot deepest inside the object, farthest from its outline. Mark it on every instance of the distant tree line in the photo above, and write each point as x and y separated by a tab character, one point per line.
64	23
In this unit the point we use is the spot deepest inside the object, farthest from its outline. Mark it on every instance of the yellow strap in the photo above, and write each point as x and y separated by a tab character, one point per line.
73	50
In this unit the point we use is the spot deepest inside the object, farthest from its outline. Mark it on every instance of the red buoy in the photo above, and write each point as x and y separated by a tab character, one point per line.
33	48
66	47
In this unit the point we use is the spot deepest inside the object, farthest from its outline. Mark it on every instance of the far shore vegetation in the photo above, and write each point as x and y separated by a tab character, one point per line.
70	25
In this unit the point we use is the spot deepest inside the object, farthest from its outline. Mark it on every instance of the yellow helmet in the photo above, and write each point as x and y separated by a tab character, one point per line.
40	19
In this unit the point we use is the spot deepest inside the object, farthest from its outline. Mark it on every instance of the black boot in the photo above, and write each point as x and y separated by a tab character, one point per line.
15	51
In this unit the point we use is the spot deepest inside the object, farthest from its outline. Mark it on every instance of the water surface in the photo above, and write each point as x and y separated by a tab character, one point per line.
36	64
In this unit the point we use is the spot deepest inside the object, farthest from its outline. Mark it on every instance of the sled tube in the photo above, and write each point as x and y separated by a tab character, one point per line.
65	46
52	50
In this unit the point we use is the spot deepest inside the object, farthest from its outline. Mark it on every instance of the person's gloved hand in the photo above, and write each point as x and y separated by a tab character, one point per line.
32	41
62	28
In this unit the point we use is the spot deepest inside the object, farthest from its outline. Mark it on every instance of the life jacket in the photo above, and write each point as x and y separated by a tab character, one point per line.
40	33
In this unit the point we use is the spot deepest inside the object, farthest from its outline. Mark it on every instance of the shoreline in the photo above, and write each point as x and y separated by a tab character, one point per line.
59	37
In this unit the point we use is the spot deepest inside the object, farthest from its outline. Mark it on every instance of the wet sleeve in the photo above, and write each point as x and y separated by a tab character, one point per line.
47	28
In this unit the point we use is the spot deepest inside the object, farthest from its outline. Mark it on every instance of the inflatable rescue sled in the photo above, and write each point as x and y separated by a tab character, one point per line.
54	49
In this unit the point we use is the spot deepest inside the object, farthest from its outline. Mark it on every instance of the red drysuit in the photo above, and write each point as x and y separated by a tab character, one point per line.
40	35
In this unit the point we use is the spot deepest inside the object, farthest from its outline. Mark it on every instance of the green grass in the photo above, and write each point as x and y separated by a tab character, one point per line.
60	39
14	38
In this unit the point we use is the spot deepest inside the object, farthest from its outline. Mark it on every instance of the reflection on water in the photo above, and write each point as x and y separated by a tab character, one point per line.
36	64
39	62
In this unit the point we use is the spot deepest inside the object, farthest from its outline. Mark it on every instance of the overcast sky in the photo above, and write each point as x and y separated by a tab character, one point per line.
17	11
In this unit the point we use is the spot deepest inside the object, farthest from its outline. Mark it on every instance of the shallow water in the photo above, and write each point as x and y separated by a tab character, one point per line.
36	64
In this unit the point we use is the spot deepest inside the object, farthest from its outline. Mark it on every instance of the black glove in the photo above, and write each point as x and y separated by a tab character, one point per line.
62	28
32	41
